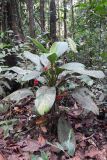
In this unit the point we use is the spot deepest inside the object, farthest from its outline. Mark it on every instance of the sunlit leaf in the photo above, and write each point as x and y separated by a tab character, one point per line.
45	97
31	75
72	45
59	48
80	68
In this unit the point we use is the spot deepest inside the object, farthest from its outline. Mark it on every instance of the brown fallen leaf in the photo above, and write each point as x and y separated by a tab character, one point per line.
24	156
41	140
43	129
29	145
40	121
92	152
1	157
75	158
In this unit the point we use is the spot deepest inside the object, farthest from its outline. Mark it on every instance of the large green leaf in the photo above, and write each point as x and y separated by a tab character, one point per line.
66	136
31	75
39	45
80	68
59	48
52	57
72	45
18	95
33	58
83	98
45	97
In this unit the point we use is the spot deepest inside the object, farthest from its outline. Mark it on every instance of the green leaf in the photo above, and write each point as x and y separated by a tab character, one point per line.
44	156
45	97
18	70
59	48
7	126
44	60
18	95
31	75
73	66
83	98
72	45
66	136
86	79
33	58
9	122
39	45
80	68
52	57
4	107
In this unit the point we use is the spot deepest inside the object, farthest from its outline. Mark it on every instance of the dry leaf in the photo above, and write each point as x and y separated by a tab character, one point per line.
41	140
1	157
29	145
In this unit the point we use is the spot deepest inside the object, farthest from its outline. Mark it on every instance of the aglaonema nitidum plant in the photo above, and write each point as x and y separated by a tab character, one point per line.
49	72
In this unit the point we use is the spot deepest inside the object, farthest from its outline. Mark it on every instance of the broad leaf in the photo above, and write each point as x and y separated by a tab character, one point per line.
66	136
52	57
45	97
73	66
86	79
18	70
80	68
72	45
83	98
44	60
59	48
18	95
31	75
93	73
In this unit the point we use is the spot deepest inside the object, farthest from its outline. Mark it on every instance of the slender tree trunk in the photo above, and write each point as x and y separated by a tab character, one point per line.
59	28
31	17
53	21
42	15
72	19
65	18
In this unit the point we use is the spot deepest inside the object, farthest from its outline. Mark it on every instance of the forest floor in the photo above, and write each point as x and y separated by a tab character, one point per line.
28	137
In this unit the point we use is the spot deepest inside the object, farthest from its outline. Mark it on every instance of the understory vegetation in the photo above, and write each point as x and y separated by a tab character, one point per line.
53	80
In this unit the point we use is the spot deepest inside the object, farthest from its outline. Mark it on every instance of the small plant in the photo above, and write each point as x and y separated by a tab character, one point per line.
50	73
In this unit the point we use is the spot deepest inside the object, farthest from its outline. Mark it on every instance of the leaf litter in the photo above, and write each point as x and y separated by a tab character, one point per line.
31	134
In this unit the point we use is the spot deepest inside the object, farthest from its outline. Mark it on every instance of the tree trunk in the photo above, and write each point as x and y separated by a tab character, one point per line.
10	19
31	17
42	15
65	18
59	23
53	21
72	21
